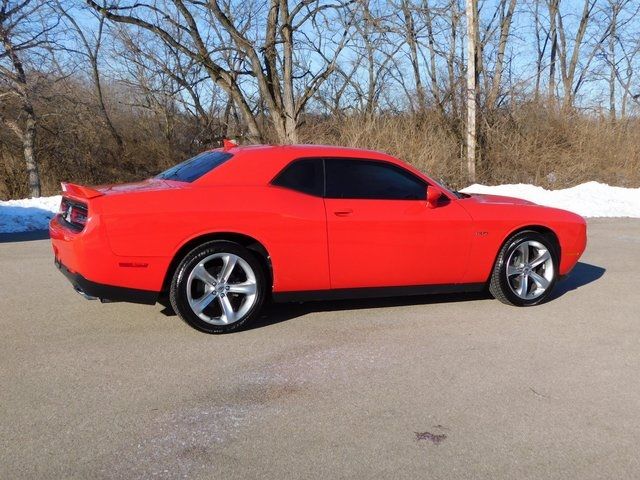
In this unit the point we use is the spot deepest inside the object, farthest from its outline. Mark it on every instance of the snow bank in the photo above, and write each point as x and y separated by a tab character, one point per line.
591	199
28	214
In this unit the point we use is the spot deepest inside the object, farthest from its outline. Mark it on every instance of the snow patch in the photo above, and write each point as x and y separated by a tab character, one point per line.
27	215
591	199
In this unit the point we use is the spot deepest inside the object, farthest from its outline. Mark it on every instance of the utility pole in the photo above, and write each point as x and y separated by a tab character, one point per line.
472	87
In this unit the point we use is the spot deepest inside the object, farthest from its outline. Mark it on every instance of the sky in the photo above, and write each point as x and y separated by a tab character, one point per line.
521	51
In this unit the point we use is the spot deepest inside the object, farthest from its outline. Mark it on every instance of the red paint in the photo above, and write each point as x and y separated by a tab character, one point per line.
433	197
228	144
79	191
313	243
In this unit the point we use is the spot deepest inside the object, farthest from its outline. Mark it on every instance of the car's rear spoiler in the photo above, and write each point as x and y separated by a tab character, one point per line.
80	191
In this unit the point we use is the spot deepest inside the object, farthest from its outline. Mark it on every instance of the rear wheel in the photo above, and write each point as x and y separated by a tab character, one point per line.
526	270
218	287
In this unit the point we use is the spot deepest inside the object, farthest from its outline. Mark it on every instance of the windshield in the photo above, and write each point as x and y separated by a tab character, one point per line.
192	169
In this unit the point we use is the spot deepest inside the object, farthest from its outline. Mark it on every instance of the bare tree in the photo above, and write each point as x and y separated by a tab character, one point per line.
626	75
621	48
569	60
506	10
91	43
375	53
22	30
411	35
430	31
285	79
168	79
456	40
541	47
336	95
554	10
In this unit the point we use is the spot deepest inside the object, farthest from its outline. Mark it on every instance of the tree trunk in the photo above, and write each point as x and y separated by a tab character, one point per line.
626	85
28	145
472	93
101	105
291	130
613	64
553	34
539	51
28	135
289	113
411	38
451	60
505	27
568	65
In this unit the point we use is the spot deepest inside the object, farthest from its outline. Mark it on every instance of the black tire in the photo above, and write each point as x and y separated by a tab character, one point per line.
499	284
179	297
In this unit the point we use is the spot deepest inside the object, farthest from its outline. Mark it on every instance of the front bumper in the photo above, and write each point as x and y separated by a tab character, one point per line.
106	292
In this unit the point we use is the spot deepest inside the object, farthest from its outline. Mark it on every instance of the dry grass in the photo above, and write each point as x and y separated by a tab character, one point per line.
531	144
534	145
427	144
543	147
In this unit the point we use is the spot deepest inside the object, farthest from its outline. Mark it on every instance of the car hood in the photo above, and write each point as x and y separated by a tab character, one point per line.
150	184
498	199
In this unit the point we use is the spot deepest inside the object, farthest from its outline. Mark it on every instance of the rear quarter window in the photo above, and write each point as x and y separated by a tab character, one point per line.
194	168
305	175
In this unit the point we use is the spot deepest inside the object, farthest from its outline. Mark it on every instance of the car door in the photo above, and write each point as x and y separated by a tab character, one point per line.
381	231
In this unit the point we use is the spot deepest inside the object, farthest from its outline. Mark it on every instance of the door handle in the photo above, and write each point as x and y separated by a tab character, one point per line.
343	213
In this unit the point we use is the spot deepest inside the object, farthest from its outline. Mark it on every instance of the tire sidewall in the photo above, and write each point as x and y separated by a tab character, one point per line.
178	293
506	252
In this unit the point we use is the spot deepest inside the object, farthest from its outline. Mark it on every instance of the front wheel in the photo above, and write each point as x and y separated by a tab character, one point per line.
218	287
526	270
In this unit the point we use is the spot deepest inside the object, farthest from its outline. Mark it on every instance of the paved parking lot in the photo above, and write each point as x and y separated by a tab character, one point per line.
428	387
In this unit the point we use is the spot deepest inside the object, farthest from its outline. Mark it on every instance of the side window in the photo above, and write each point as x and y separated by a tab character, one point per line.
304	176
371	180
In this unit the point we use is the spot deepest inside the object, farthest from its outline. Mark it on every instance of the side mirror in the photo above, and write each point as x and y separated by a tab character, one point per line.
433	196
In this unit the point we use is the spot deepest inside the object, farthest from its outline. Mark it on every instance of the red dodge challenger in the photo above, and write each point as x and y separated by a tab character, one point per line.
221	232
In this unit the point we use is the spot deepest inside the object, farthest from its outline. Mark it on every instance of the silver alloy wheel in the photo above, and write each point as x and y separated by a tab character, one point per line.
530	270
222	288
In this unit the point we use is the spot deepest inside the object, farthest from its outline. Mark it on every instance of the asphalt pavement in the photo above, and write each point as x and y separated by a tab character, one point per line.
450	387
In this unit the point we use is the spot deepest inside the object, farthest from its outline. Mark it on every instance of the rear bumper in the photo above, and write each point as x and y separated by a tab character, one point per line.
106	292
87	254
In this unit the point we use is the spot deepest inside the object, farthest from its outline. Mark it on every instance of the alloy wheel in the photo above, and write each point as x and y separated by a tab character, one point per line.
529	270
222	288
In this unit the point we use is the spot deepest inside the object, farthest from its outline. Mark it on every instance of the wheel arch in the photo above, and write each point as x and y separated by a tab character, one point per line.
541	229
250	243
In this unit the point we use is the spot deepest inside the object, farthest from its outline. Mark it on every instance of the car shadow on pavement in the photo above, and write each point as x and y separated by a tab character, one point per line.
273	313
281	312
581	275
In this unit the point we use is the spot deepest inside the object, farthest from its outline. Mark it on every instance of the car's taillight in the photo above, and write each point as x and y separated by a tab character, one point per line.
64	204
73	213
78	216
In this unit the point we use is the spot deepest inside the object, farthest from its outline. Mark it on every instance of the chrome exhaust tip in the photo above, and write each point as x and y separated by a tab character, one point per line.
81	292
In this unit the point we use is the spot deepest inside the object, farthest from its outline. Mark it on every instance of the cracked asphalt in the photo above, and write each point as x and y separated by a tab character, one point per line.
450	387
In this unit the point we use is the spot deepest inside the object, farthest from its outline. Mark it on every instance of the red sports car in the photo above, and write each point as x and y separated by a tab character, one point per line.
221	232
